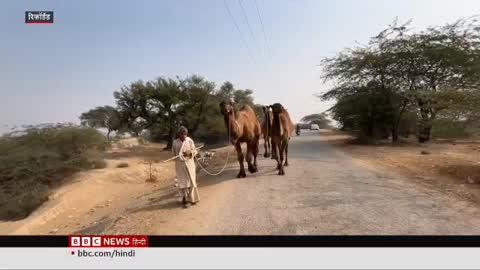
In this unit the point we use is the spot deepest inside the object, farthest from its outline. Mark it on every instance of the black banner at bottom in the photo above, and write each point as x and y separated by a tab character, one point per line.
265	241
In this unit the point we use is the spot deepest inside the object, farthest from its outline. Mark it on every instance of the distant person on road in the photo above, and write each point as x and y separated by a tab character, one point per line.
184	148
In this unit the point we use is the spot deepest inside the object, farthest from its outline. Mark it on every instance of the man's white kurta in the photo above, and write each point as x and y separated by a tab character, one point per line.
185	166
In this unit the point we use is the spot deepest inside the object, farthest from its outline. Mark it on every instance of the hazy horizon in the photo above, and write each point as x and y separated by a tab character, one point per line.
53	73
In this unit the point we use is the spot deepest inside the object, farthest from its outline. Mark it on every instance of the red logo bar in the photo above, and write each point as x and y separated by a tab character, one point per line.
108	241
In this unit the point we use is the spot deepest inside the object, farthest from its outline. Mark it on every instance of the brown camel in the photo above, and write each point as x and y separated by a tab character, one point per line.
243	127
282	129
267	130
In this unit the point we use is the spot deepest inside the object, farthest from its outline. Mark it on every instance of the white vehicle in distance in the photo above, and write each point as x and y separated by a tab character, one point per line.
314	127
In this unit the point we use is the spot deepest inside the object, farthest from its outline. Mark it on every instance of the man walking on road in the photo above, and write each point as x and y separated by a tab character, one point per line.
184	148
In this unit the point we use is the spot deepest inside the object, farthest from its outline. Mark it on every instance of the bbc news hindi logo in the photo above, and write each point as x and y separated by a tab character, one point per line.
35	17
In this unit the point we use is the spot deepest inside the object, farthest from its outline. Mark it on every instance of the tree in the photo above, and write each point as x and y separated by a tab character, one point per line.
318	118
366	74
102	117
131	104
403	71
164	102
226	91
160	106
434	62
258	109
197	92
241	97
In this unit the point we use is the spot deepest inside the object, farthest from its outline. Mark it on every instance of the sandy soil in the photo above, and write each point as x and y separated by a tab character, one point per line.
452	166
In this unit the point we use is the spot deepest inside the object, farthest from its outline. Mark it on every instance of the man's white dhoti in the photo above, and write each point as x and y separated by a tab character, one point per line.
185	169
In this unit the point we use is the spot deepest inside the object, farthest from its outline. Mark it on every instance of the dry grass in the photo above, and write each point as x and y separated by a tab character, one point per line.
39	159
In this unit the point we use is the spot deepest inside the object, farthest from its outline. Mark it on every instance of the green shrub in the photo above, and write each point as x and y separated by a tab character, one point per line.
446	128
39	158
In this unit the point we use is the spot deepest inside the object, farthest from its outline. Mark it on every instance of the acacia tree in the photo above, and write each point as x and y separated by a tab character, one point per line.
102	117
197	94
162	105
226	91
131	103
434	64
409	69
366	74
242	97
317	118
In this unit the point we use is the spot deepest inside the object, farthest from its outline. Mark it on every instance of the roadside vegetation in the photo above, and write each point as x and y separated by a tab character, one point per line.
404	82
37	159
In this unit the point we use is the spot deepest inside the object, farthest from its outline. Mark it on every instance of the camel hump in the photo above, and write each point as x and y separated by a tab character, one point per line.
282	124
247	107
288	123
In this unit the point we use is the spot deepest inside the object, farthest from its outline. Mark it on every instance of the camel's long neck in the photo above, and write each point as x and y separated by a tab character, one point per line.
268	121
232	126
277	128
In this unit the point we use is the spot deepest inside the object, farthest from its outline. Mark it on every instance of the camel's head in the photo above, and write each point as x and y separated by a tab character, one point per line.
277	108
265	109
226	107
267	112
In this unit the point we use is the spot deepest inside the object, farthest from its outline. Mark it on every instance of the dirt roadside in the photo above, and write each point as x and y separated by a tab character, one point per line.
91	197
451	166
95	201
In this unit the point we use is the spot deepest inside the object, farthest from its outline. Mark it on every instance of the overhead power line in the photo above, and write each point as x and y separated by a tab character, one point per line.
239	31
263	30
247	22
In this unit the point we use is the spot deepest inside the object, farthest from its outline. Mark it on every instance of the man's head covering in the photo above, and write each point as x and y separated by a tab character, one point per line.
182	130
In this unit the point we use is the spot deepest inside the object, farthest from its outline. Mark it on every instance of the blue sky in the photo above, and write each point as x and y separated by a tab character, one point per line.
53	73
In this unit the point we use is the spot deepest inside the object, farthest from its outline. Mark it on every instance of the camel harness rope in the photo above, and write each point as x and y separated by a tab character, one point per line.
200	164
226	160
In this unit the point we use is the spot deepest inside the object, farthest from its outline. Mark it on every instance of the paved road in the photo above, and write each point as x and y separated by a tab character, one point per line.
324	191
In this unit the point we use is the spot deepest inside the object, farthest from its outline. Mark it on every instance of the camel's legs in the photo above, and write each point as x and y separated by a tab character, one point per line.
275	155
281	150
255	151
242	173
286	153
249	158
274	150
267	146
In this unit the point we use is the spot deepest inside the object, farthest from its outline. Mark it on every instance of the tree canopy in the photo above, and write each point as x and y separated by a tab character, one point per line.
318	118
102	117
399	72
160	106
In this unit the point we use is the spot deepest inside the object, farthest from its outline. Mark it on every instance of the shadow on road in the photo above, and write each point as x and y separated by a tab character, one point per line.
169	204
164	198
168	197
265	167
